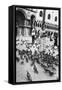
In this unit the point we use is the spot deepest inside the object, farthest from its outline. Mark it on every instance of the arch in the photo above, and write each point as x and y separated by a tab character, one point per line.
55	18
32	21
35	23
40	13
20	21
38	24
49	16
32	16
20	17
22	11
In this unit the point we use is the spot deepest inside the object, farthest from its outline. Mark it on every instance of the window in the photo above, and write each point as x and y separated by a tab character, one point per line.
49	16
40	14
56	18
48	33
38	24
35	23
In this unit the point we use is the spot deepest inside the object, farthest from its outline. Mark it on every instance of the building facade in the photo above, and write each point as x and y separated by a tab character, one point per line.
45	21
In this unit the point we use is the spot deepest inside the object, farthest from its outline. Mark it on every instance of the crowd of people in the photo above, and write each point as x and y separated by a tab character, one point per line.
47	59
